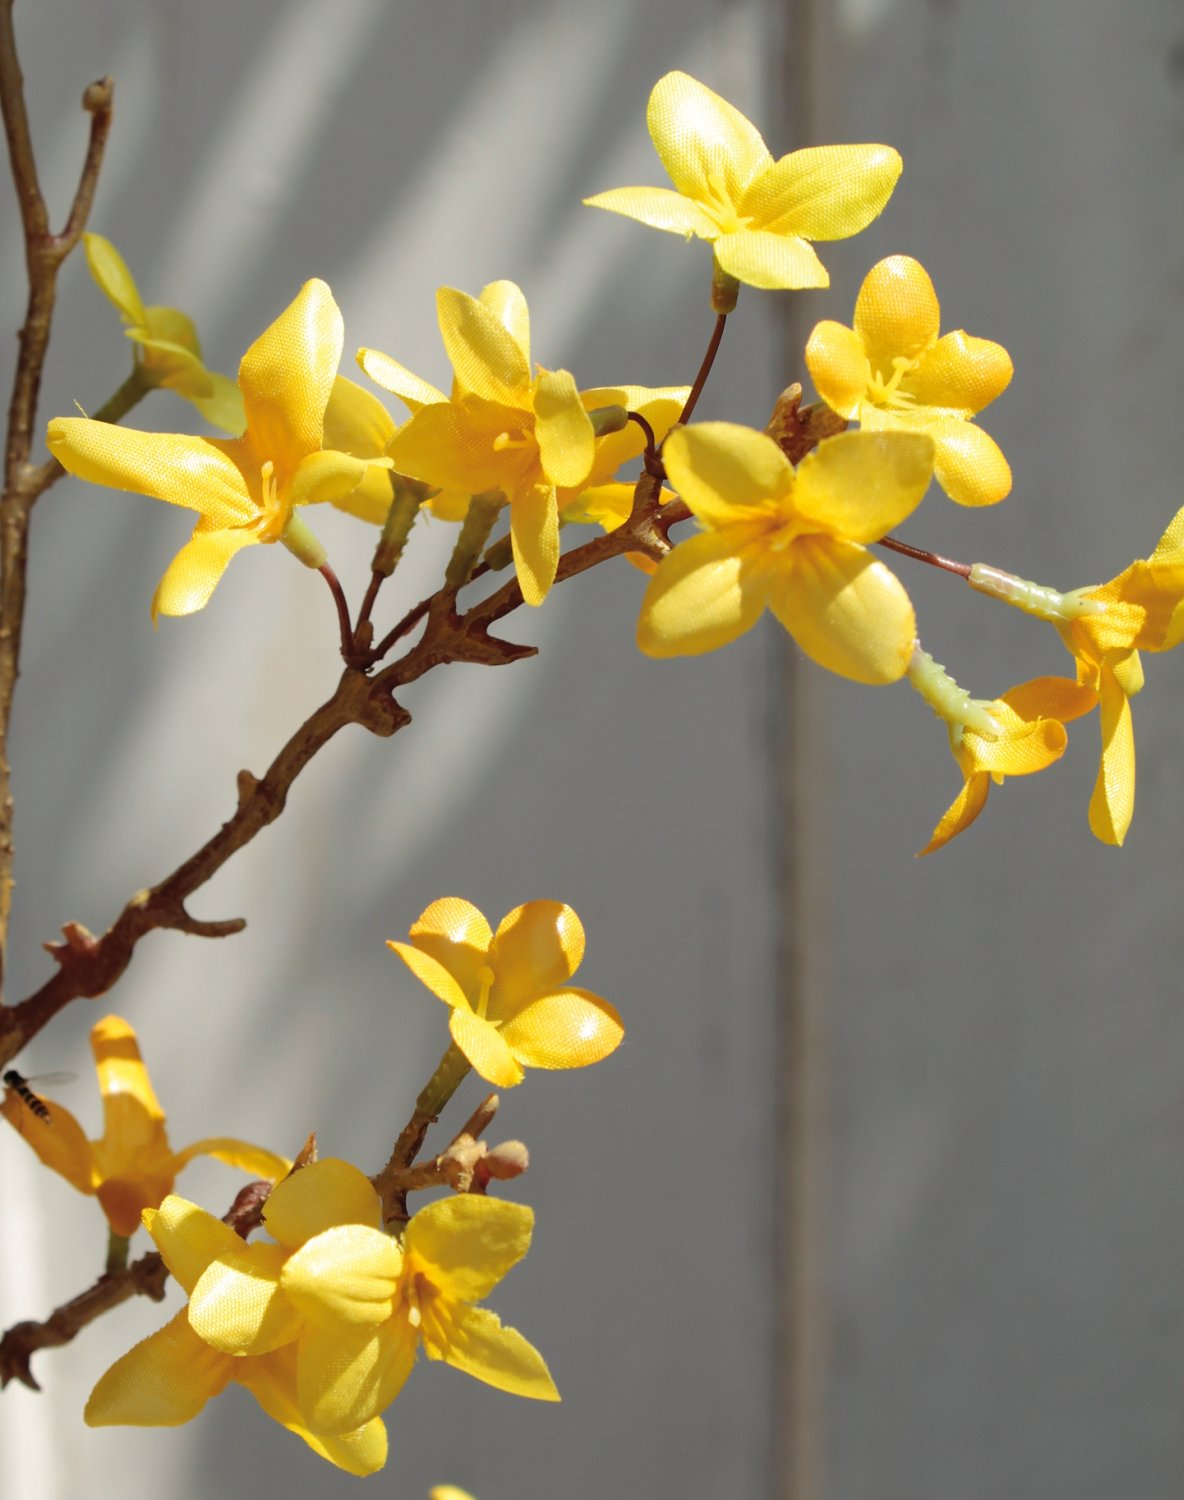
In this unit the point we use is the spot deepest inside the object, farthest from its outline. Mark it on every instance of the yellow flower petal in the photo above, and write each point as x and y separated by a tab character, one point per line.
1051	698
348	1274
1112	804
727	473
968	463
433	974
117	283
457	936
570	1028
485	1049
131	1111
194	573
774	262
451	445
1021	750
486	358
60	1142
704	142
897	313
287	375
396	378
319	1196
271	1379
163	1381
534	531
237	1305
188	471
326	476
961	813
347	1376
222	406
860	485
538	946
960	373
845	610
465	1244
505	301
704	594
823	192
356	422
567	443
472	1339
189	1238
235	1153
838	367
660	208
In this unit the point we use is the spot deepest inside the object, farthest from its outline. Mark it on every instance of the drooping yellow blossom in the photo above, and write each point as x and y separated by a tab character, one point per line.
759	215
131	1167
1144	612
504	429
245	489
323	1325
893	371
1031	719
512	1006
791	540
168	353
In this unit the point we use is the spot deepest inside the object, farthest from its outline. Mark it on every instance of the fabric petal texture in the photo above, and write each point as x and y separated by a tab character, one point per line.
537	946
846	610
727	473
237	1305
346	1377
570	1028
704	142
466	1244
774	262
478	1344
348	1274
189	1239
860	485
659	208
162	1381
824	192
704	594
319	1196
485	1048
287	375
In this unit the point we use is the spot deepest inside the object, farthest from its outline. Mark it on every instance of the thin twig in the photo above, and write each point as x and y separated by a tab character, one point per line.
44	254
934	559
717	334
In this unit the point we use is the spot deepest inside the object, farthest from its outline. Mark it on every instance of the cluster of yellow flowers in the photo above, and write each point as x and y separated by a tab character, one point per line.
323	1321
795	540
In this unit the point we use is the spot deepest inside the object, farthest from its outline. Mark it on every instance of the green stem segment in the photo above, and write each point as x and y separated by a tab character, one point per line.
450	1073
117	1247
482	513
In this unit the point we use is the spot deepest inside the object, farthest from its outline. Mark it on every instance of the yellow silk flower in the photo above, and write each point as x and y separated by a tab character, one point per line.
244	489
1032	736
502	429
131	1167
893	371
759	215
167	350
791	540
323	1325
1144	612
511	1003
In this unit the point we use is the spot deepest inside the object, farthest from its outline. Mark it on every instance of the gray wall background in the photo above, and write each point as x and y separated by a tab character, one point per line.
979	1055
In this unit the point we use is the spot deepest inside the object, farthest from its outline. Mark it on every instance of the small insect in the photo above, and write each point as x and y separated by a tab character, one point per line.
22	1087
1034	598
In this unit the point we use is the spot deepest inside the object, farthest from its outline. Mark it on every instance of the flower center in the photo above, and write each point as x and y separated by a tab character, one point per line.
887	393
273	511
718	204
